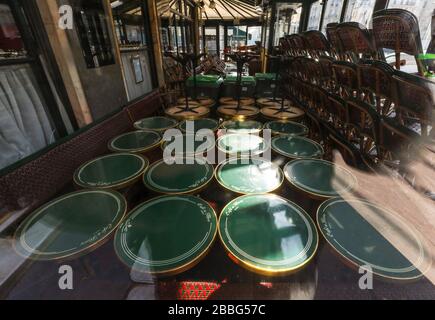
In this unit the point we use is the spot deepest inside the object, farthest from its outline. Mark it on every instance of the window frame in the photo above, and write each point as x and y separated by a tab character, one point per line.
37	46
22	18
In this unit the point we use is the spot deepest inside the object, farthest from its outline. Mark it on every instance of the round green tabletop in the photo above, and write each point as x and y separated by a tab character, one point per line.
193	126
268	234
166	235
187	177
70	225
188	145
295	147
114	171
249	176
319	179
357	230
156	124
242	144
287	128
135	142
243	127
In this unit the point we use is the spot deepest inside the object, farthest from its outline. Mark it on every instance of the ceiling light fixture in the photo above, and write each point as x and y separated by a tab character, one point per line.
212	4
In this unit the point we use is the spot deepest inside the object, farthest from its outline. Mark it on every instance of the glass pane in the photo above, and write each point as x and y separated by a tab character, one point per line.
237	37
210	40
254	35
165	38
135	34
221	41
360	11
94	34
287	21
201	47
134	52
315	15
25	126
180	37
332	13
423	9
11	45
171	34
266	31
296	19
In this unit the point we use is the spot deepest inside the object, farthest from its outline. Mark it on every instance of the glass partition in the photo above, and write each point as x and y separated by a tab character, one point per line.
211	40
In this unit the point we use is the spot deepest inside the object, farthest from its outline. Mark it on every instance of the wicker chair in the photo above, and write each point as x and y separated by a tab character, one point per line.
363	128
313	70
334	40
396	145
319	102
348	151
375	80
346	79
356	42
317	43
414	102
327	76
337	113
397	30
298	44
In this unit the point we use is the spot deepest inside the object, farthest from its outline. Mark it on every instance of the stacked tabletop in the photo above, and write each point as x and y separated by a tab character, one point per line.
231	180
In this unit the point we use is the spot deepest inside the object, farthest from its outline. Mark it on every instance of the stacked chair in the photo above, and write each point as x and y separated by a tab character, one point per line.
354	100
397	30
356	42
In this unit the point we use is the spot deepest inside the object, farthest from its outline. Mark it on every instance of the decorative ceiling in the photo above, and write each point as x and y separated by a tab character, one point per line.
216	9
210	9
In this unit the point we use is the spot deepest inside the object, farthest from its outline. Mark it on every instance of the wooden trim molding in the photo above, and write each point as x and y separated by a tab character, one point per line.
156	41
49	11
